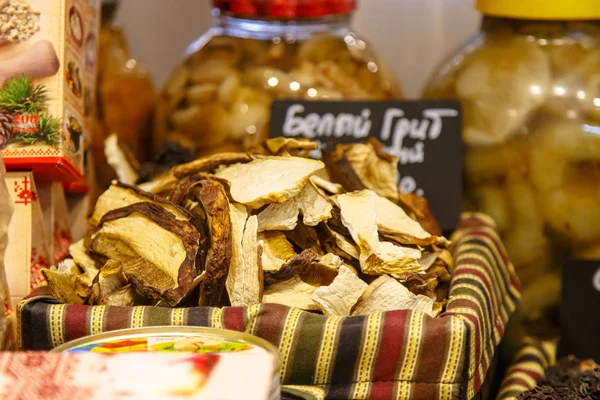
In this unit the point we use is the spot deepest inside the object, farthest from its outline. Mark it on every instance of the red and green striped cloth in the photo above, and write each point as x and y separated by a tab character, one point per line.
534	357
394	355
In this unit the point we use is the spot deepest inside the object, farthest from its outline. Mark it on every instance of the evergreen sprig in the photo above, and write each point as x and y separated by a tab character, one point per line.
48	130
20	96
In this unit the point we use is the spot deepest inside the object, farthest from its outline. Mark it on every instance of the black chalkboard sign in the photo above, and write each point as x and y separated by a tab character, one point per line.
424	135
579	309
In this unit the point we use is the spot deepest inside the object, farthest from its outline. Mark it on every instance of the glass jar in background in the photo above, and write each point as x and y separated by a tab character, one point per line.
258	51
529	84
125	97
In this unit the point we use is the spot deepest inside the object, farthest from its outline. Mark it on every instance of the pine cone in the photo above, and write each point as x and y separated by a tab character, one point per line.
5	126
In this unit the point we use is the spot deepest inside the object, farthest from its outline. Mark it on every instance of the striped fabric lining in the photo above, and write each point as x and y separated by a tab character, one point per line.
394	355
529	365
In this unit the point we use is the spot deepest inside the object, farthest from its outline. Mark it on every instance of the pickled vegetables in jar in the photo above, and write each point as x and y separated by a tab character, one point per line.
529	84
219	98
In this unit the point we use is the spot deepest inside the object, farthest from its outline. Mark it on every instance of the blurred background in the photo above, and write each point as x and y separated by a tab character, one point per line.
413	35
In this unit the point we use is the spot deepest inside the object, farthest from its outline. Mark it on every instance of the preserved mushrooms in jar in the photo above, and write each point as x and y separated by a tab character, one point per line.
529	84
219	98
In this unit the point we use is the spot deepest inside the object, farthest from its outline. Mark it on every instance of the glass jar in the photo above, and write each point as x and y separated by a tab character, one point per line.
258	51
529	84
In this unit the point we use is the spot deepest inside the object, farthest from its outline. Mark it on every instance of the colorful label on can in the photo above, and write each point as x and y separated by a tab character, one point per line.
168	344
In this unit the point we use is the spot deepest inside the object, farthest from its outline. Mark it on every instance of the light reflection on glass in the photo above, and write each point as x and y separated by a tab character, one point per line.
251	130
535	90
372	67
312	92
581	95
273	81
295	86
560	91
597	102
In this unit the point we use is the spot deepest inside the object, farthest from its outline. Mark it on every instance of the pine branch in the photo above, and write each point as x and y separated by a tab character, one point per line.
49	129
19	96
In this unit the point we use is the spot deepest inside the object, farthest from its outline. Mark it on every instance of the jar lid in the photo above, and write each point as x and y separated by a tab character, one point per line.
286	9
541	9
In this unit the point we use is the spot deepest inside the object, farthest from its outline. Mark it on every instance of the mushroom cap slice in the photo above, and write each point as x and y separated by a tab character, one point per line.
61	282
338	299
210	163
156	251
244	280
387	294
359	215
292	293
216	206
276	250
268	180
311	203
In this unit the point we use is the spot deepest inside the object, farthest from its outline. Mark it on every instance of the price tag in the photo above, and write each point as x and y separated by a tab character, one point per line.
579	309
424	135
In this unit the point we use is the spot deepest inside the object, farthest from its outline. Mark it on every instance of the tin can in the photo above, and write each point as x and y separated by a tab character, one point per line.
231	353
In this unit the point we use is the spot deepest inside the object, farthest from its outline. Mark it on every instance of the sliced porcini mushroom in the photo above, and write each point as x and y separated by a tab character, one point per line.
276	250
84	283
294	267
324	184
292	293
159	185
110	279
418	208
323	271
395	225
82	258
387	294
364	166
339	244
310	203
359	214
293	146
120	195
210	163
268	180
121	160
425	284
216	205
338	298
244	280
122	297
61	282
155	250
305	238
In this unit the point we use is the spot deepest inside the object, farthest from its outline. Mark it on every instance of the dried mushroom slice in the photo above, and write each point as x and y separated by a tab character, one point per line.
326	185
279	217
244	281
425	284
299	147
120	195
338	299
210	163
305	238
160	185
110	279
61	282
214	200
84	283
359	215
123	297
276	250
395	225
387	294
340	244
156	251
268	180
292	293
294	267
121	160
82	258
364	166
323	271
311	203
418	209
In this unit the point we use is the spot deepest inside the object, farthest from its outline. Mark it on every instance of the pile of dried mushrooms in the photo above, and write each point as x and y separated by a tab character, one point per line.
271	226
